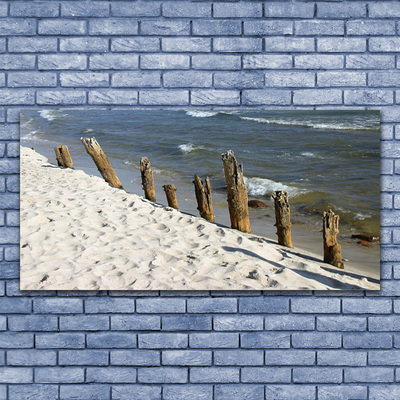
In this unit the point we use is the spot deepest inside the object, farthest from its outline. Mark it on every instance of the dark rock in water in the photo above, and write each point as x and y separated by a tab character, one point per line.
256	204
364	243
366	238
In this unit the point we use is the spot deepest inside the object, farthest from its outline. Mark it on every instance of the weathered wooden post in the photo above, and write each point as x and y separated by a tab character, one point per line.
332	249
63	156
203	196
170	191
101	161
237	193
282	216
147	179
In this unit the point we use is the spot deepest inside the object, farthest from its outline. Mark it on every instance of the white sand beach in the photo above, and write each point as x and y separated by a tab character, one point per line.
80	233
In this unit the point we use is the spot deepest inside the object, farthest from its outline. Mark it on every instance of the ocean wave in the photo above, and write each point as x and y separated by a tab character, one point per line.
189	147
52	115
88	130
201	113
261	187
314	124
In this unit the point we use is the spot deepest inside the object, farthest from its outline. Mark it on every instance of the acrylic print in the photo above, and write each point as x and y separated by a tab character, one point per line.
199	200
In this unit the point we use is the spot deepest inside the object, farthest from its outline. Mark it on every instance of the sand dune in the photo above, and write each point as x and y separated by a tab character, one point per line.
78	232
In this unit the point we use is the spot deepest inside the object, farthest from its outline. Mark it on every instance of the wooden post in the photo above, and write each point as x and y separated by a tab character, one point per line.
332	249
170	191
101	161
237	193
203	196
147	179
63	157
282	215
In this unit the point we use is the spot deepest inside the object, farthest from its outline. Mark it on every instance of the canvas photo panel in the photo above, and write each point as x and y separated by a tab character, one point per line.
200	200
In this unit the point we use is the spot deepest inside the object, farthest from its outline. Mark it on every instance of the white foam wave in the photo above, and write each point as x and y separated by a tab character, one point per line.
261	187
311	124
201	113
51	115
189	147
89	130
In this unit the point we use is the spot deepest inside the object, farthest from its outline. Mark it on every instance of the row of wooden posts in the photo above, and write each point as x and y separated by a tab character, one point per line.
237	197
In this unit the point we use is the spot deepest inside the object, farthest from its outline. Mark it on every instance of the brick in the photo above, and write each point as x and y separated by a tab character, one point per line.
212	305
267	97
235	392
321	340
288	10
319	61
187	79
386	323
342	78
62	97
32	323
384	357
216	27
111	340
135	44
3	9
289	79
367	27
367	341
269	27
238	357
12	181
179	392
214	340
317	27
79	9
111	375
16	340
384	78
113	61
17	61
313	97
163	340
368	97
239	10
346	10
342	358
341	323
10	270
135	9
32	45
109	305
179	9
186	357
15	306
214	97
384	10
346	392
16	375
113	27
315	305
165	28
261	375
370	61
241	323
87	45
12	217
341	45
289	323
135	357
162	375
263	305
260	340
187	323
19	26
194	45
57	306
11	254
98	392
177	97
216	62
264	61
368	374
31	357
37	9
8	166
32	391
381	392
84	79
164	61
387	44
61	61
367	306
290	392
61	27
214	375
235	45
59	375
317	375
84	322
135	322
290	357
136	392
83	357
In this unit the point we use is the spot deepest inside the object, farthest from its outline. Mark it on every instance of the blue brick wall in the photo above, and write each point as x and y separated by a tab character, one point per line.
212	344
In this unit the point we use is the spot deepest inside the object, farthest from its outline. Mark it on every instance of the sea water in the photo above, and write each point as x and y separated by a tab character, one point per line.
323	159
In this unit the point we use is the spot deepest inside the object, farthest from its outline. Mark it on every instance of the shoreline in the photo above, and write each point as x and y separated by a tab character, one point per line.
79	233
